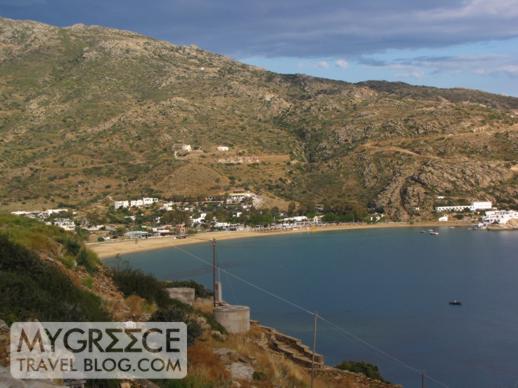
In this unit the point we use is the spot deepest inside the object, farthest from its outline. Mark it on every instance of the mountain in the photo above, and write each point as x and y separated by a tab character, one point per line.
90	113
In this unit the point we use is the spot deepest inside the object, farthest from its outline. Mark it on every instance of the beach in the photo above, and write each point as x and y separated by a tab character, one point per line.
112	248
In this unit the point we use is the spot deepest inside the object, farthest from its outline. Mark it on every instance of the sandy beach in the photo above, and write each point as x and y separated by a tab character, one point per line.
122	247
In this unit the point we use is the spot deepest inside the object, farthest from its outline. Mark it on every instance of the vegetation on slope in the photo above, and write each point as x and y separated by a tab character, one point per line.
91	113
30	286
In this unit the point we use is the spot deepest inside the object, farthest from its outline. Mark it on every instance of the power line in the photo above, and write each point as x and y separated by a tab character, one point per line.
307	311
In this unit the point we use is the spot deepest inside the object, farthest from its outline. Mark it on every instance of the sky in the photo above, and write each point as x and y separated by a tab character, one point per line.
444	43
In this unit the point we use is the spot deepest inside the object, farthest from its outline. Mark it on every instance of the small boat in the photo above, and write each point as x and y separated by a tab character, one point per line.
433	233
455	302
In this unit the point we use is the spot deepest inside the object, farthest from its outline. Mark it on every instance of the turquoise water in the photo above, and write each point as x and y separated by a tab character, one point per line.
390	287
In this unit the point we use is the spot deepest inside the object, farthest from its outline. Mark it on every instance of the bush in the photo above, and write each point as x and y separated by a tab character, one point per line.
259	376
365	368
135	282
33	289
176	313
87	259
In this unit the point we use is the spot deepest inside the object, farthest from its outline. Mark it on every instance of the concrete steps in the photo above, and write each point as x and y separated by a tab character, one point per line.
291	347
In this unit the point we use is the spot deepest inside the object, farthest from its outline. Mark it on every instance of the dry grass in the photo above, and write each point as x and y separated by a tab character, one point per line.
207	365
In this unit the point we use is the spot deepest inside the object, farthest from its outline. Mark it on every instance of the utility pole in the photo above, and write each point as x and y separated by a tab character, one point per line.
315	318
213	243
423	376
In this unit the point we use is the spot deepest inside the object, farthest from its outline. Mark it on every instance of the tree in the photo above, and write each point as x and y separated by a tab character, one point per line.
291	208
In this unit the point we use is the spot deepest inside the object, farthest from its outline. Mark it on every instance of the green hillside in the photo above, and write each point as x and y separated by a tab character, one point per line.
90	113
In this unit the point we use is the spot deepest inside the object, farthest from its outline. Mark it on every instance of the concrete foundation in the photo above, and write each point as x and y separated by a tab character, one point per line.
183	294
235	319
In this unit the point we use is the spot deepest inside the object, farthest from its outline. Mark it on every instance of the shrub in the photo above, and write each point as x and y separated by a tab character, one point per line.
33	289
365	368
135	282
87	259
259	376
176	313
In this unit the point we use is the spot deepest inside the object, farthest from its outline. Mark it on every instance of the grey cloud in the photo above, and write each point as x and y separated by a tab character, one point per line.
297	28
476	64
20	3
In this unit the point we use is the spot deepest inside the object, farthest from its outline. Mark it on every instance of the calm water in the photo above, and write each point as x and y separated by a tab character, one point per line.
389	287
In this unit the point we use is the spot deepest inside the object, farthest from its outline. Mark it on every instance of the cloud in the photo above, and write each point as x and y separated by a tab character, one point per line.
21	3
417	67
293	28
342	64
322	65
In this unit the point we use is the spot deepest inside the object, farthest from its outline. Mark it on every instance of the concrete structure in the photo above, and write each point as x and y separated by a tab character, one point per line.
186	295
223	148
292	347
235	319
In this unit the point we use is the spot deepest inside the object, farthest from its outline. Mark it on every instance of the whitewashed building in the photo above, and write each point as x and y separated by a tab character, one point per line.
65	223
475	206
167	206
239	197
149	201
500	216
199	220
121	204
222	148
481	205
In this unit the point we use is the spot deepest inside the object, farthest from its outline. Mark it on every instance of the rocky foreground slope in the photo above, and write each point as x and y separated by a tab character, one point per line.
88	113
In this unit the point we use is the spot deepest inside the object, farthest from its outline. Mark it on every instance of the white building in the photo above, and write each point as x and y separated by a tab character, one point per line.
199	220
239	197
443	219
475	206
136	203
295	219
500	216
168	206
65	223
149	201
222	148
21	213
454	208
121	204
481	205
146	201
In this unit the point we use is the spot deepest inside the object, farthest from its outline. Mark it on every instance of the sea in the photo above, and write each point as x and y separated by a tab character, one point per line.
382	294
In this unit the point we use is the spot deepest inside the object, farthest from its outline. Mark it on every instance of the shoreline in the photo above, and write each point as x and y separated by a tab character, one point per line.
113	248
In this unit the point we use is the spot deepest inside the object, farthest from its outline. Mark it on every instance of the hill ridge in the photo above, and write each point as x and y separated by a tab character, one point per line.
88	115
